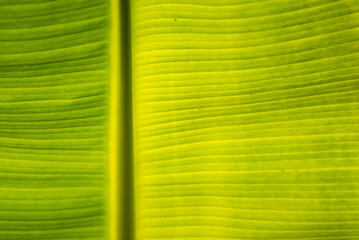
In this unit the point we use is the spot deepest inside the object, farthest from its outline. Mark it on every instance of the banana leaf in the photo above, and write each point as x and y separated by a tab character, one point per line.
179	119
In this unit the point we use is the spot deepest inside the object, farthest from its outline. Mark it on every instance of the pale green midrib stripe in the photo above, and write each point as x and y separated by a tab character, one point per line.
129	224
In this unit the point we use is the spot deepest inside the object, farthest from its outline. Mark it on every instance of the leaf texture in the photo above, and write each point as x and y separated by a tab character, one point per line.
246	119
54	79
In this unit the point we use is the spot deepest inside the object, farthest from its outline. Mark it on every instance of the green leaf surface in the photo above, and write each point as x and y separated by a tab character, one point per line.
246	119
54	80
